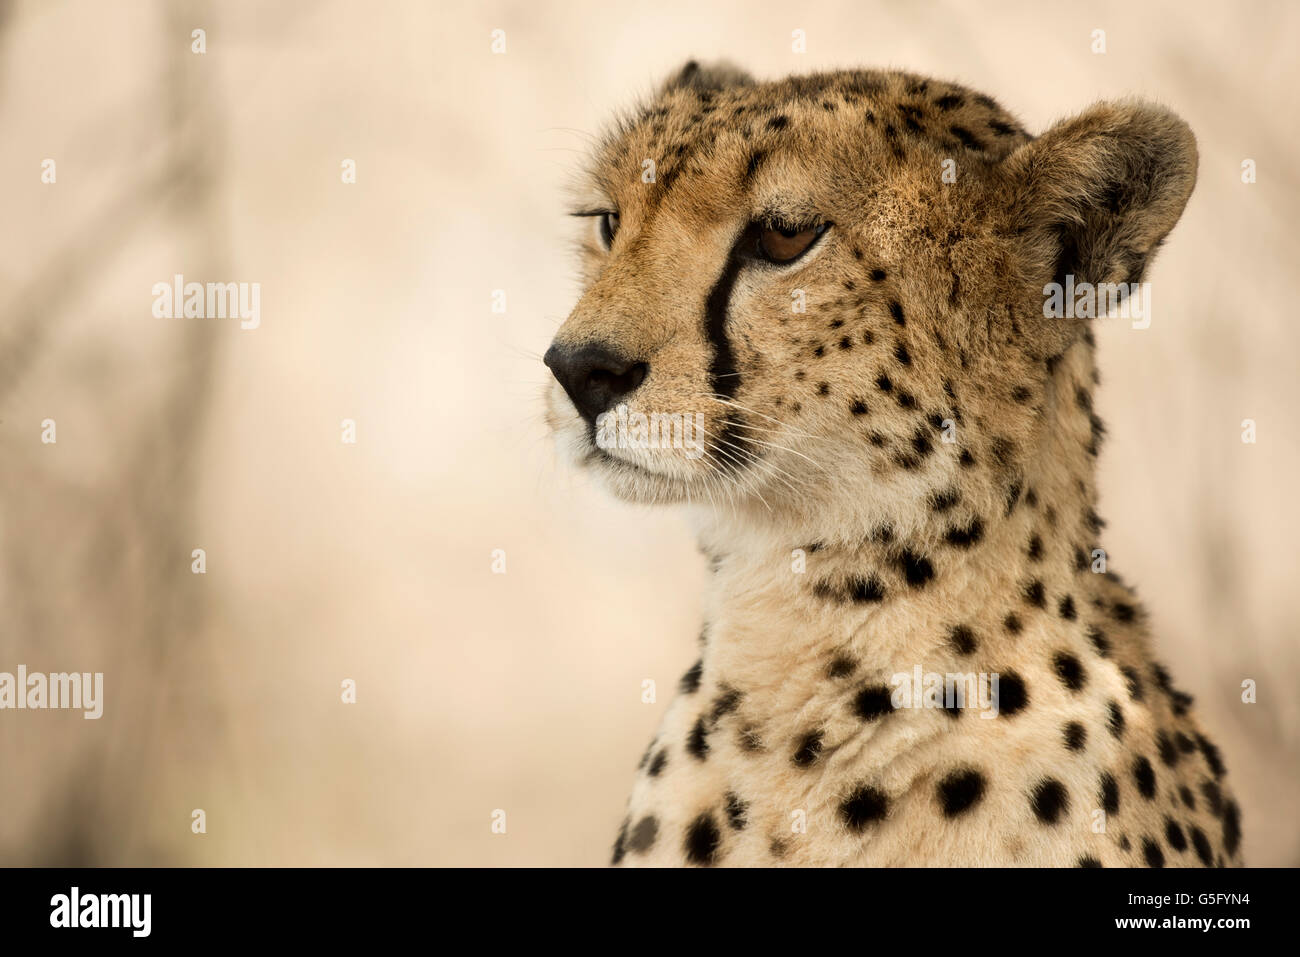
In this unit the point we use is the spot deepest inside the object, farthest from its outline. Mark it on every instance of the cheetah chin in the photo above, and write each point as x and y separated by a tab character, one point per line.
824	314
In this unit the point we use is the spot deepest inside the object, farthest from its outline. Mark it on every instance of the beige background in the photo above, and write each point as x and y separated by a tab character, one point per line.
328	561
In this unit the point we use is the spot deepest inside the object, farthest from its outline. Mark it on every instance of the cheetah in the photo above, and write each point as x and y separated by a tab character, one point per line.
913	653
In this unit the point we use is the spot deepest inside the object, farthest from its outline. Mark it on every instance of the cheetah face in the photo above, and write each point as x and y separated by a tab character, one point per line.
828	290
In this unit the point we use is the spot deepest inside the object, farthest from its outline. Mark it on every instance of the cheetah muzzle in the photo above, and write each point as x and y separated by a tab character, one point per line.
814	314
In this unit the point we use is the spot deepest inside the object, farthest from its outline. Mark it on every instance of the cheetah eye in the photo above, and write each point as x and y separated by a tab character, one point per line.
608	228
782	243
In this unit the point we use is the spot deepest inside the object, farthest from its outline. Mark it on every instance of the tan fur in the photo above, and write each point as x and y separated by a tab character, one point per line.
849	543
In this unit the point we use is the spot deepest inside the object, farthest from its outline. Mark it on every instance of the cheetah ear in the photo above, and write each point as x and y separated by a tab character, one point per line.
711	77
1095	195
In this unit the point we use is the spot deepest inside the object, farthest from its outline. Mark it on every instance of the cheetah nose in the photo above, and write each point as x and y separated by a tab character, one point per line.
594	377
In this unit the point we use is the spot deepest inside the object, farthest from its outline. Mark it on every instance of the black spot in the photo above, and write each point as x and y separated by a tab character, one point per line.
620	843
1004	452
810	746
1109	794
896	310
1186	794
1134	682
1151	851
866	589
1035	595
1099	640
1035	550
1123	611
702	841
755	163
966	459
858	407
1185	744
1202	845
1076	736
1211	755
778	122
962	639
824	388
1162	679
906	400
942	501
1012	696
865	805
873	702
878	275
1088	861
966	537
697	742
658	764
1012	624
1049	800
1174	835
690	682
960	791
1231	827
1020	394
643	835
846	343
1144	776
726	702
1116	720
949	101
916	568
1066	608
841	666
1165	745
902	355
965	137
1069	670
884	383
736	812
921	442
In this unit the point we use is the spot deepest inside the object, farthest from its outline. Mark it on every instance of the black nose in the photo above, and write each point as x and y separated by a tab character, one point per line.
594	377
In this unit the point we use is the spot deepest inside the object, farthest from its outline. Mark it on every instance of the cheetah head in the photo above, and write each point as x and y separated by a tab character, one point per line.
827	293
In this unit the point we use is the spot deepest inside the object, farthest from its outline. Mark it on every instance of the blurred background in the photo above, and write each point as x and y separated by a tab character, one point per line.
372	561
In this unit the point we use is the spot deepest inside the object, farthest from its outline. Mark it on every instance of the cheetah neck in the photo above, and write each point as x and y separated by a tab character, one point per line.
783	595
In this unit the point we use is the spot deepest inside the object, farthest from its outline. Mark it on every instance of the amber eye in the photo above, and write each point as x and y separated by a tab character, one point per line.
608	228
782	243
